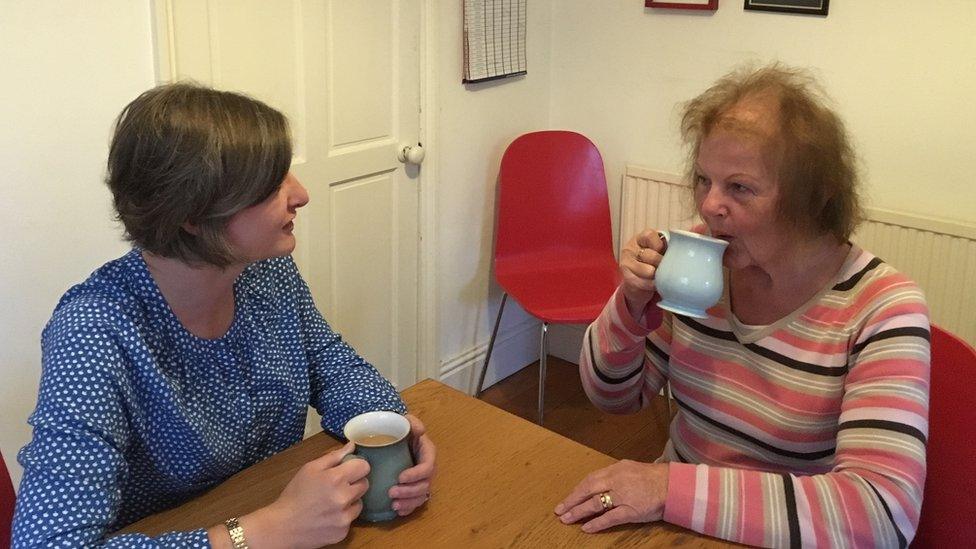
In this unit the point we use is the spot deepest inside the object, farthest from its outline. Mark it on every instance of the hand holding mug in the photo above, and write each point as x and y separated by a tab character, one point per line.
688	279
316	508
413	488
401	458
639	260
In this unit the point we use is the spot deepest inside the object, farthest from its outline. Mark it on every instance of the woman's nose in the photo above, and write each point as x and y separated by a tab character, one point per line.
297	193
712	204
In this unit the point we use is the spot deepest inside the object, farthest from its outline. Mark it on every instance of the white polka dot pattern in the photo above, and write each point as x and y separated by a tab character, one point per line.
135	414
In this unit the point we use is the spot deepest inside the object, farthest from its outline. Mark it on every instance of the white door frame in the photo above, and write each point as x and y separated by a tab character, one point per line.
428	361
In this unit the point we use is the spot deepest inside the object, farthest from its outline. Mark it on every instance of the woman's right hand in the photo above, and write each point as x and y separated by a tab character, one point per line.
316	508
638	265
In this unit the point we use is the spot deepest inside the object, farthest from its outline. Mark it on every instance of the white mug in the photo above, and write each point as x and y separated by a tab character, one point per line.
689	278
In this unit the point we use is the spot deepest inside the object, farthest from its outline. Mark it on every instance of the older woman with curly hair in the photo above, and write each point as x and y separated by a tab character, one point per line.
802	398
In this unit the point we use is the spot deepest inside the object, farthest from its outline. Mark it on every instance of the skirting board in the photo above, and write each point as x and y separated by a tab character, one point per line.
566	340
520	350
515	348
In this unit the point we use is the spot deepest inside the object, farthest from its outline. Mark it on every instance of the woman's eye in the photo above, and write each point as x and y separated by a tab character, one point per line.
739	188
700	179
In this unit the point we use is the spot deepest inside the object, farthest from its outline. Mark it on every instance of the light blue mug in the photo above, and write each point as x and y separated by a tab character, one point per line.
381	439
689	277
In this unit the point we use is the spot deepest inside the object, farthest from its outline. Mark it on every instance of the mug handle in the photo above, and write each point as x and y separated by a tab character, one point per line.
347	457
664	235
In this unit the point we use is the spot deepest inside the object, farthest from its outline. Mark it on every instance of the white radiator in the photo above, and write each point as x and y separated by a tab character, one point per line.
939	255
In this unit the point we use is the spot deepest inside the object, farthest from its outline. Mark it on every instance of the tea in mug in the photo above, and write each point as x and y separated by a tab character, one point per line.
374	440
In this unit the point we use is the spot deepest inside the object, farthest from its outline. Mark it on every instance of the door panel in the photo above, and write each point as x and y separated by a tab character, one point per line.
367	297
361	60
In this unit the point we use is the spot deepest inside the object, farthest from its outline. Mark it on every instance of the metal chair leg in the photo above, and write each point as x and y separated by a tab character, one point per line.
491	344
670	398
542	368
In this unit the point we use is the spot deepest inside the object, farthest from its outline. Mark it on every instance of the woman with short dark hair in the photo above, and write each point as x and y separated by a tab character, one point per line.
197	353
185	159
802	397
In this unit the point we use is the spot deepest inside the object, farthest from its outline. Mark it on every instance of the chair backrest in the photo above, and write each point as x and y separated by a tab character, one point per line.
552	196
949	505
6	503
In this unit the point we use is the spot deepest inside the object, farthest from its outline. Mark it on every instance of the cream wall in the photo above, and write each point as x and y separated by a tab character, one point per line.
902	72
474	124
69	68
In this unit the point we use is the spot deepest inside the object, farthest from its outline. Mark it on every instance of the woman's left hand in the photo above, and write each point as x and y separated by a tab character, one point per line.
414	488
636	494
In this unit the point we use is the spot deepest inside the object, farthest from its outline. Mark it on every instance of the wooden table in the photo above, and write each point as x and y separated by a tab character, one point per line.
497	482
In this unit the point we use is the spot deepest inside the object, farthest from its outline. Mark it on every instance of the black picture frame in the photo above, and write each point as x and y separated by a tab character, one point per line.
808	7
708	5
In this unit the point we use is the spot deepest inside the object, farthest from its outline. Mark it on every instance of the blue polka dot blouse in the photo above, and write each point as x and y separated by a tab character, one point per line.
135	414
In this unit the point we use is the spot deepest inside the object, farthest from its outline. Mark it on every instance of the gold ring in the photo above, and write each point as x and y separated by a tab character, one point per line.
606	501
639	252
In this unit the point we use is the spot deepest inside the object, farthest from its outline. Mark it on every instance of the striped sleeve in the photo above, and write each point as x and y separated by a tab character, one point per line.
872	494
616	366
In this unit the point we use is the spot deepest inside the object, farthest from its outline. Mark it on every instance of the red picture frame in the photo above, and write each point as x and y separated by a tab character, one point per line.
709	5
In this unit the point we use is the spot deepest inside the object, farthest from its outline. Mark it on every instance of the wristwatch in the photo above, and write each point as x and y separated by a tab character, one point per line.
236	532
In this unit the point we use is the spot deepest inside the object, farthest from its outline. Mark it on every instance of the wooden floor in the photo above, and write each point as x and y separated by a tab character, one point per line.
568	412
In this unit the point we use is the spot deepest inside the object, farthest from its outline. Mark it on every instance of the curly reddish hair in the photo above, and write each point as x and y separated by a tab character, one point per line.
817	165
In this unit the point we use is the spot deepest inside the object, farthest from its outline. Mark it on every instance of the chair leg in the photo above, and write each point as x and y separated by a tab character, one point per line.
670	399
542	368
491	344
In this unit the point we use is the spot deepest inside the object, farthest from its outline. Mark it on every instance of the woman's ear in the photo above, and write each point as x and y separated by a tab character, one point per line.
190	228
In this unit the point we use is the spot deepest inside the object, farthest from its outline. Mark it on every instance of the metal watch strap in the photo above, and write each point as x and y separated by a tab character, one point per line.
236	533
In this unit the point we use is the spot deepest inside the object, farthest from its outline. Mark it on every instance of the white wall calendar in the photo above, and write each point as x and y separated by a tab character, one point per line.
494	39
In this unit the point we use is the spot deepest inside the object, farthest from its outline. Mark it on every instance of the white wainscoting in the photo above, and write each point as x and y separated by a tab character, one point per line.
515	347
939	255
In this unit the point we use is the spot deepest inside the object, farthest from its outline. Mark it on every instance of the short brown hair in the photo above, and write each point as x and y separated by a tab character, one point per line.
183	153
818	176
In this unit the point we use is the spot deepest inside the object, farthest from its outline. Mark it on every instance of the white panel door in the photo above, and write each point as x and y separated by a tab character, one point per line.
347	75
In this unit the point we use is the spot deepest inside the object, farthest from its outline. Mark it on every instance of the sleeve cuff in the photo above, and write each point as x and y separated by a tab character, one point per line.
649	322
197	538
194	539
679	504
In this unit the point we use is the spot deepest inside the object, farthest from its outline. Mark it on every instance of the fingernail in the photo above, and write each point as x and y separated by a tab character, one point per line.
396	506
587	528
559	509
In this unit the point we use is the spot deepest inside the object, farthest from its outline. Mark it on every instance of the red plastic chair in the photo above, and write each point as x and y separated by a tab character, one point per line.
949	503
553	245
6	504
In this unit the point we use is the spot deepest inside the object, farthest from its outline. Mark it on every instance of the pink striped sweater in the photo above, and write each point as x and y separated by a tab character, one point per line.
808	432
